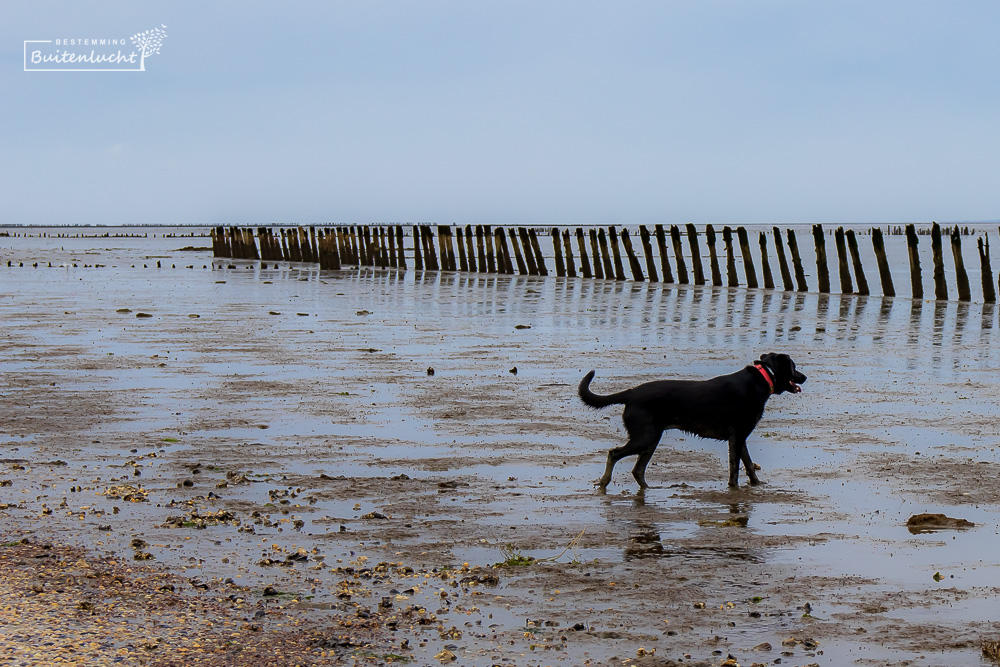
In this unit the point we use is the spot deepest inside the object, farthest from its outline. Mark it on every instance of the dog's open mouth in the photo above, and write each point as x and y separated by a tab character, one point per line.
796	389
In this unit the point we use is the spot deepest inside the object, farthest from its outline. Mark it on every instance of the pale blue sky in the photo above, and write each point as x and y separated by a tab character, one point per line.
508	112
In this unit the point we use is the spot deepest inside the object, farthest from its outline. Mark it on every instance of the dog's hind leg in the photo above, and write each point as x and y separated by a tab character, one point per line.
642	443
639	469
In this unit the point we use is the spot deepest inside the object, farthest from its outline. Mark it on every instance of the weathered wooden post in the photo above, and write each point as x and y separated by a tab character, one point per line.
602	240
418	259
765	265
859	270
463	264
581	245
313	245
846	286
557	252
470	248
371	252
481	249
503	251
940	285
568	248
529	253
916	283
748	266
539	259
286	251
986	271
633	262
491	265
613	239
400	255
800	274
449	247
961	277
696	268
430	256
731	277
675	239
334	257
822	270
647	253
598	264
661	245
878	243
521	267
293	245
713	256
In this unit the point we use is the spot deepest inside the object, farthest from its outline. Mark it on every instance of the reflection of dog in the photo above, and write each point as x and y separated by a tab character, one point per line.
724	408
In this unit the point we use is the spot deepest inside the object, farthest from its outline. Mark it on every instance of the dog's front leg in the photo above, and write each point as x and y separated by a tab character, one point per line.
751	468
736	446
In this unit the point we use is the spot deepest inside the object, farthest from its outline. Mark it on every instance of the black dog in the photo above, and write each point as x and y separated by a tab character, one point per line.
724	408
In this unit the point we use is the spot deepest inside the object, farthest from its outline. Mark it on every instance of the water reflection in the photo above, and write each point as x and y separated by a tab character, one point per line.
937	334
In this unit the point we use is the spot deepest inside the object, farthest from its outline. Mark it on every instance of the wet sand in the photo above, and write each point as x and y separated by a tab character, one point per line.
290	439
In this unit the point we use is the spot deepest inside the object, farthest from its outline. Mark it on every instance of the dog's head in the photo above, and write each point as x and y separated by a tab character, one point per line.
782	368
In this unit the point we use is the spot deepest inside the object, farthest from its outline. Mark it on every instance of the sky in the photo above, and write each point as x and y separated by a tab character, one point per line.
486	112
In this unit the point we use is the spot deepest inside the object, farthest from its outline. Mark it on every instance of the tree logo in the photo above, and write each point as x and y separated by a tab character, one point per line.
93	54
148	42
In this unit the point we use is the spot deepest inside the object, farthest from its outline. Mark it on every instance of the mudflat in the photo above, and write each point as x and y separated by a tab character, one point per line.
215	463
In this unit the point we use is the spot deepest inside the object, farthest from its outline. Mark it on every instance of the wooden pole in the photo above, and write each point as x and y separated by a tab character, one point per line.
986	271
822	270
598	264
779	248
748	266
286	251
633	262
521	267
418	259
557	251
846	286
503	251
491	265
713	256
696	268
961	277
859	270
313	245
568	249
463	264
539	259
609	272
675	238
878	244
765	266
661	245
613	238
731	277
333	238
940	284
916	283
400	254
581	245
647	252
481	249
449	247
529	255
800	274
470	248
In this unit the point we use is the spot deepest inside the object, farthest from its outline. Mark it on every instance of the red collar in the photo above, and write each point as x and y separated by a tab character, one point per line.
767	375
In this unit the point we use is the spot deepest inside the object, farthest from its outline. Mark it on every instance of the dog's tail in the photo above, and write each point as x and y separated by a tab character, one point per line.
596	400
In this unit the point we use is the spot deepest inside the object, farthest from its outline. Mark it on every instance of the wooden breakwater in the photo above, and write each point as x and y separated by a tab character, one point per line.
605	252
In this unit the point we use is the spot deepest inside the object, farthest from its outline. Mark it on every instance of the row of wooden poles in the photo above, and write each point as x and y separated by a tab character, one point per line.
510	250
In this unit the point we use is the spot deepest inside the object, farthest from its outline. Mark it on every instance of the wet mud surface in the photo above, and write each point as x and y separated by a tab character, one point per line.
272	441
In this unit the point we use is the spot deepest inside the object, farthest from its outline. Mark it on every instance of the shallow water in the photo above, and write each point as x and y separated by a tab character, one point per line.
335	382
